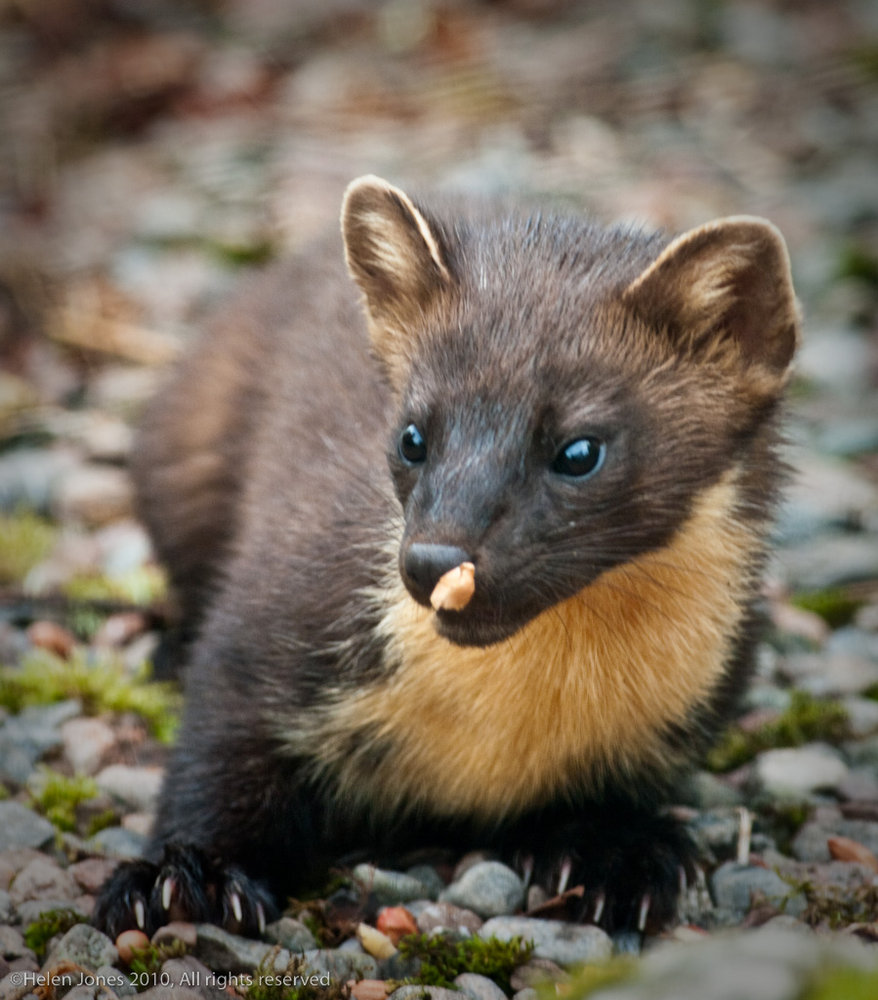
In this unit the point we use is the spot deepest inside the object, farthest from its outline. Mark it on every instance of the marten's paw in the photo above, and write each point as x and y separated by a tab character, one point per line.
631	873
184	885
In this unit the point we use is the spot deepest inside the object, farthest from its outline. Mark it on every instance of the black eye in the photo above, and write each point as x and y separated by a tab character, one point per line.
579	458
412	446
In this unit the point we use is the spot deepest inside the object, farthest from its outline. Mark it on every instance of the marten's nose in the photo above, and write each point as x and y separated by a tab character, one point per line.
423	563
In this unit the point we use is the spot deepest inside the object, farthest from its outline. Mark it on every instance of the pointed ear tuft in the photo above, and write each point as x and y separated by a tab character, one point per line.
725	285
393	253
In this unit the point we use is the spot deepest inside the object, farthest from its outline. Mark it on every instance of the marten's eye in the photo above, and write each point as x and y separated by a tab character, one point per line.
412	446
579	458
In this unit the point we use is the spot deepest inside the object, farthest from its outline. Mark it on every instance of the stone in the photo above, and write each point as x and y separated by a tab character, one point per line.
29	476
93	495
710	792
489	888
339	964
21	827
416	992
796	772
862	715
32	909
136	787
171	993
42	879
118	982
537	971
773	962
389	887
734	885
12	944
84	945
446	916
50	635
374	942
478	987
188	972
86	742
177	930
429	878
566	944
829	561
18	759
290	934
227	952
810	843
825	494
117	842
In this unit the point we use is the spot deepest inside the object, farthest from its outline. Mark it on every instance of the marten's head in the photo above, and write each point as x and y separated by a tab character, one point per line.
565	393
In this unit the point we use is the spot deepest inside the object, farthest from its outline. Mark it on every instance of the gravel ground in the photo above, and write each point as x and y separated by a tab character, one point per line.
153	155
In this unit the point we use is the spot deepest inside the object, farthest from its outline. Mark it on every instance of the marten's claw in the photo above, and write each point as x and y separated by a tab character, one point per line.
564	874
184	885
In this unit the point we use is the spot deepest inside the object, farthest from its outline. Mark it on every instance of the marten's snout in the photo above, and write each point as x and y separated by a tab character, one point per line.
423	563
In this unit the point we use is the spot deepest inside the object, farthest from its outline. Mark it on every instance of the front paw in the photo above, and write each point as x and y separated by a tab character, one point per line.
627	875
184	885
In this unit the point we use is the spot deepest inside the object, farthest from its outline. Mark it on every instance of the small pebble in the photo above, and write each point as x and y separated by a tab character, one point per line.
793	773
374	942
290	934
87	741
389	887
137	787
369	989
396	922
129	941
566	944
478	987
489	888
86	946
177	930
53	637
445	916
22	827
734	885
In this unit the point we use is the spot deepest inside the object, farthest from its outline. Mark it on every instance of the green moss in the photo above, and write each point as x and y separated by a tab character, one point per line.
807	719
147	962
25	540
591	978
102	684
38	934
844	984
833	605
270	984
143	586
103	821
443	958
56	796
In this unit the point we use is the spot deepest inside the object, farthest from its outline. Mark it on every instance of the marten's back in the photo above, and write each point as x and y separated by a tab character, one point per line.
244	405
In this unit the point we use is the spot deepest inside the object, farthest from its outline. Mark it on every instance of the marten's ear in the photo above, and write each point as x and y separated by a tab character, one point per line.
395	256
725	290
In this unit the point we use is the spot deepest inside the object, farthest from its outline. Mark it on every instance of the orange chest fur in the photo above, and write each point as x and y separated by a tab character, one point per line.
588	688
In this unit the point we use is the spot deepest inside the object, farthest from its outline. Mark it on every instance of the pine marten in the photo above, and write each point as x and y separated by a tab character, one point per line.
582	424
